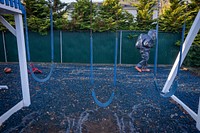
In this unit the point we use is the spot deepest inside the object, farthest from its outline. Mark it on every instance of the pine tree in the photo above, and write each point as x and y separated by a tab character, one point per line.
193	57
81	15
60	9
38	14
173	16
145	10
111	16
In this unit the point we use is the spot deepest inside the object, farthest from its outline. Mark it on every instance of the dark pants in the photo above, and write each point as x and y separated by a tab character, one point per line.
145	57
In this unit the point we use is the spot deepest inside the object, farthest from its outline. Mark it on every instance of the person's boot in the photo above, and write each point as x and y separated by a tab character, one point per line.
146	70
138	69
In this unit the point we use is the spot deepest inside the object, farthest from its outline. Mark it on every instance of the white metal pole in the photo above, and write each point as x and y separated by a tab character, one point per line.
8	25
22	59
120	48
61	50
198	117
190	111
10	112
4	47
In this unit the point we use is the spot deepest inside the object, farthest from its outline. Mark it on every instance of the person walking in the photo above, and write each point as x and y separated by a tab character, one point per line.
144	43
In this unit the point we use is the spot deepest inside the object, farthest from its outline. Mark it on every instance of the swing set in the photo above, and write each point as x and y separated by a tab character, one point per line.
14	7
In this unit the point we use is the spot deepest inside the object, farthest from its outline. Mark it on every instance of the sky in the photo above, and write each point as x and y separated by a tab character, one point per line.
68	1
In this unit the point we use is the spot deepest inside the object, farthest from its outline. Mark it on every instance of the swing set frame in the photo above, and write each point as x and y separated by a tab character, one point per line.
172	75
13	7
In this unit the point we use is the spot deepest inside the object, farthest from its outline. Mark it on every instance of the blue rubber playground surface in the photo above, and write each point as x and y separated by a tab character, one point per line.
64	104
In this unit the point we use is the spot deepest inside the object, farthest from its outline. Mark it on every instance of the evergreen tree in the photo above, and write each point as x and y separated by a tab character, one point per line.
111	16
173	17
60	9
193	57
81	15
193	9
145	10
38	14
108	15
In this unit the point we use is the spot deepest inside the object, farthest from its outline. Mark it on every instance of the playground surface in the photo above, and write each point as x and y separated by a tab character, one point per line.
64	104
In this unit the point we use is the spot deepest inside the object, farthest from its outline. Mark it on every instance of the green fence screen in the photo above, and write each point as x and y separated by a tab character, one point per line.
2	57
74	47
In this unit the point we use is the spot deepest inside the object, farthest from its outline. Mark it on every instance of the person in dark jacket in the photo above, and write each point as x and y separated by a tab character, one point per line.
144	43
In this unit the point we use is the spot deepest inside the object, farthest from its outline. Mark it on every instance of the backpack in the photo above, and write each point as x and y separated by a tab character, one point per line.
148	42
144	40
138	44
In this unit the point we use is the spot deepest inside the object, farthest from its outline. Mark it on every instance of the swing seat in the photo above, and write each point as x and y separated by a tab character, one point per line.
34	69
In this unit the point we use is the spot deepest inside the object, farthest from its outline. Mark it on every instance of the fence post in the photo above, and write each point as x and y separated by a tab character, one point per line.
4	47
120	48
61	56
